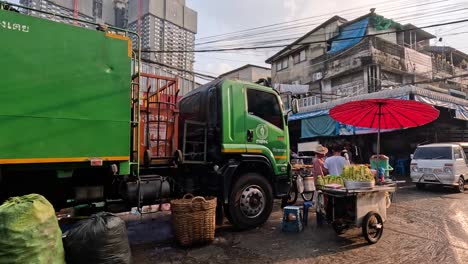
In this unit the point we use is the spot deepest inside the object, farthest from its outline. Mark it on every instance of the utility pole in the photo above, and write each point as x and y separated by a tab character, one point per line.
75	11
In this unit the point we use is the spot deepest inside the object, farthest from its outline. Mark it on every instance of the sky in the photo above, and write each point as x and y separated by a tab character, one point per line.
222	16
217	17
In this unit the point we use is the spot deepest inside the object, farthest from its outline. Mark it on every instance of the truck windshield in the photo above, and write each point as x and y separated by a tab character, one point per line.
433	153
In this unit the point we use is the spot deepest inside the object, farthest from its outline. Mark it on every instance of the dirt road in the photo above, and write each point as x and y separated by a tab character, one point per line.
428	226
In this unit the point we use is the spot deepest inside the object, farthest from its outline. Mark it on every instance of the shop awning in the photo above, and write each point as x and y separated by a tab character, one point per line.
435	98
316	122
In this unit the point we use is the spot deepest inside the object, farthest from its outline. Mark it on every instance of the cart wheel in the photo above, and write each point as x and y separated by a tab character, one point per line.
292	195
372	227
308	196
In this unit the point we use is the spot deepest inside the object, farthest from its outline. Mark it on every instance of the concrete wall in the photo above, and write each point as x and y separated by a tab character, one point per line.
153	7
392	37
349	85
259	73
190	19
304	71
175	12
249	74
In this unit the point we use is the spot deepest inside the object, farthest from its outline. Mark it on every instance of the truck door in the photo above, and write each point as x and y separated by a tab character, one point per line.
459	166
266	131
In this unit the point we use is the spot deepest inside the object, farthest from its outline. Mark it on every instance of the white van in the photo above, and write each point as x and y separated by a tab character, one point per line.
441	164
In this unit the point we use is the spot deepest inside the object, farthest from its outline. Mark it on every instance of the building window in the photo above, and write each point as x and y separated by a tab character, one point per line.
282	64
285	63
266	106
299	56
278	66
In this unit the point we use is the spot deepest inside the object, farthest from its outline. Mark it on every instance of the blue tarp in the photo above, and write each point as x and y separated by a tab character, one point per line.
319	126
351	35
299	116
325	126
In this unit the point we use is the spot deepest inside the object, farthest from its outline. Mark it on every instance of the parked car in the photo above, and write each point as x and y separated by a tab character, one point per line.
440	164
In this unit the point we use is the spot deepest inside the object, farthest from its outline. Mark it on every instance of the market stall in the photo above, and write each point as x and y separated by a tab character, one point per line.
352	200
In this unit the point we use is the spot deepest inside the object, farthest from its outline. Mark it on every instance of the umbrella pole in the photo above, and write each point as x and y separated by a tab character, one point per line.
378	140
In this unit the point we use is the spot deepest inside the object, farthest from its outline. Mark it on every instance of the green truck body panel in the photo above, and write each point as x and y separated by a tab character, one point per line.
64	91
268	139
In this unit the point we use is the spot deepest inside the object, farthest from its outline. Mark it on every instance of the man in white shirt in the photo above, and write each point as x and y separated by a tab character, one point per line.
336	163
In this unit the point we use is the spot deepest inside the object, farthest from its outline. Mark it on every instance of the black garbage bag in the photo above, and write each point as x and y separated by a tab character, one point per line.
100	239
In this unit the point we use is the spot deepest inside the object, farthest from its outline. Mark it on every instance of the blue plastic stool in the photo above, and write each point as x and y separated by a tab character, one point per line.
305	209
292	219
400	166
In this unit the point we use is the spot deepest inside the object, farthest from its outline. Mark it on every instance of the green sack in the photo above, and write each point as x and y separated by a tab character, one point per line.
29	231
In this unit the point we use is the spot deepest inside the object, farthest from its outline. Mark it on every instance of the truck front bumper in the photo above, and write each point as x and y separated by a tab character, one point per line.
433	178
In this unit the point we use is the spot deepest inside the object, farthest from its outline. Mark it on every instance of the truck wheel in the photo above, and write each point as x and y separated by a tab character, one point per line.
372	227
250	201
420	186
461	185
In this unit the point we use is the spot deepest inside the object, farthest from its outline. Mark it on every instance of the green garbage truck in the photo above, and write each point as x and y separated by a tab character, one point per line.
79	127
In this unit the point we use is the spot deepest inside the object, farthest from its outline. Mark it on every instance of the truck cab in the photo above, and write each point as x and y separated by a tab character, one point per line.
440	164
234	144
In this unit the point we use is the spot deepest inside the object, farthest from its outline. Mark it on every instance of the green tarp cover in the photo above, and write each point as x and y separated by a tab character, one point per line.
382	23
29	232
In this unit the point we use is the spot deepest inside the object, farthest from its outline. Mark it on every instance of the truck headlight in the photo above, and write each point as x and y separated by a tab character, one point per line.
414	168
448	170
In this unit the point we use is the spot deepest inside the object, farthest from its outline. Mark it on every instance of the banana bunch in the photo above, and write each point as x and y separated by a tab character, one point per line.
329	179
357	173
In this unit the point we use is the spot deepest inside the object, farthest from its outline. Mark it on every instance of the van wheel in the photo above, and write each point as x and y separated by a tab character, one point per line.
461	185
250	201
420	186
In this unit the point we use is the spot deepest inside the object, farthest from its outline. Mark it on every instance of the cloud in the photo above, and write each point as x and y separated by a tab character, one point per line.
291	7
218	68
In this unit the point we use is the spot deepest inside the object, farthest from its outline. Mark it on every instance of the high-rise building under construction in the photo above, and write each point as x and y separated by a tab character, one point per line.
164	25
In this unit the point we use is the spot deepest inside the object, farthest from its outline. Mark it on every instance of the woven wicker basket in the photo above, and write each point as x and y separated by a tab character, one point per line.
194	219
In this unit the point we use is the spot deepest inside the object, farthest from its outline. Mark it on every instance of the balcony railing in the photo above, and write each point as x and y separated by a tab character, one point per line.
310	100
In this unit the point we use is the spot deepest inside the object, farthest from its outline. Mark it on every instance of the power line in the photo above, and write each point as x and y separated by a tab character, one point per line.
304	43
201	75
302	19
224	59
301	25
264	42
264	35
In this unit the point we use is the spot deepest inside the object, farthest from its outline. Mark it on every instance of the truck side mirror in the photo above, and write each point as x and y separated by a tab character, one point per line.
411	156
295	106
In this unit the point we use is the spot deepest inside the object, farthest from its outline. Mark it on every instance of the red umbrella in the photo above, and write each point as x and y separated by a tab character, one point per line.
384	113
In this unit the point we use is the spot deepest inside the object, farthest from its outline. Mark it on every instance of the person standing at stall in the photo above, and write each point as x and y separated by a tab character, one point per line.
318	164
336	163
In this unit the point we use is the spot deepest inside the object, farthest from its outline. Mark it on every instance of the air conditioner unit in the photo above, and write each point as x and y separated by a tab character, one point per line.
316	76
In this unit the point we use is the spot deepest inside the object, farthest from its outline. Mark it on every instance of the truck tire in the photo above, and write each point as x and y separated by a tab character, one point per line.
250	201
461	185
420	186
